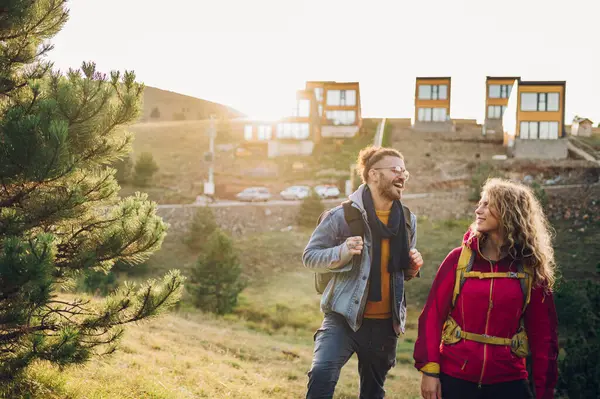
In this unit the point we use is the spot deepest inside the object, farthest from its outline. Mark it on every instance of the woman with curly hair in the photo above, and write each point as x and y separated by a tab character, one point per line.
491	305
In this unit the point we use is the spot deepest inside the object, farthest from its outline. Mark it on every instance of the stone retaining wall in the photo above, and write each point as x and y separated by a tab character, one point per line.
255	218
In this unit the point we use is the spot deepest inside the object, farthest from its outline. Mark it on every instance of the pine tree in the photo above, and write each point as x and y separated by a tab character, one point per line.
60	214
144	169
216	280
124	169
202	226
310	210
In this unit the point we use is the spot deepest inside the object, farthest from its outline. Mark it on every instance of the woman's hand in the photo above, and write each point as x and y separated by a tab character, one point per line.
431	387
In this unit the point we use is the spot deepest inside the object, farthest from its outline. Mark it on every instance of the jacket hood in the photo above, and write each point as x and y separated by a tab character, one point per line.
356	197
470	239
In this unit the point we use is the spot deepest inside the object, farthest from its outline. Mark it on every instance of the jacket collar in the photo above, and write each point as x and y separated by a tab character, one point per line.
472	241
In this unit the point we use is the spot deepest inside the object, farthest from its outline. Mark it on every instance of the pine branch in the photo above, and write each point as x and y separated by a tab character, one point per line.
60	215
30	31
24	331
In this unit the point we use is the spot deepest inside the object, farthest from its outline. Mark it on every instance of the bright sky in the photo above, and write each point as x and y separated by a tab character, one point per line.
254	55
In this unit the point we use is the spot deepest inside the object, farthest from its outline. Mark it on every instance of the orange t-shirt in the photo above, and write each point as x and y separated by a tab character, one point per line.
382	309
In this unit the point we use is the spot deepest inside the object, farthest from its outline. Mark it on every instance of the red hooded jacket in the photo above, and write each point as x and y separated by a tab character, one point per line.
493	307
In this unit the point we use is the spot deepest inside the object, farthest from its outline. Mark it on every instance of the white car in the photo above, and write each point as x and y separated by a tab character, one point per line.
254	194
295	193
327	191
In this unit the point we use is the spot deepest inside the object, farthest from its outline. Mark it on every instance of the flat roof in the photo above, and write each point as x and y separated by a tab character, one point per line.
543	82
342	83
433	77
328	82
503	77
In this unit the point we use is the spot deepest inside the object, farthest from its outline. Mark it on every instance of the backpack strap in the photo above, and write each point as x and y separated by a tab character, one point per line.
526	282
463	271
354	219
465	264
322	216
452	332
482	275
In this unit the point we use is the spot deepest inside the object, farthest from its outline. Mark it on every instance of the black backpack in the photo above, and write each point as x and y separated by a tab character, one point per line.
355	221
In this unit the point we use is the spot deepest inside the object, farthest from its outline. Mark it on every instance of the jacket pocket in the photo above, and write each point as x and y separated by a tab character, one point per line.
331	322
385	348
454	356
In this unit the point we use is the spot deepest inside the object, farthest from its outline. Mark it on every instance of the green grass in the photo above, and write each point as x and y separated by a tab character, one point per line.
576	249
265	348
435	239
262	350
593	141
386	140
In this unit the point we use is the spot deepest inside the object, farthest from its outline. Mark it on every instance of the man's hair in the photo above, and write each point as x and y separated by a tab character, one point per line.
369	156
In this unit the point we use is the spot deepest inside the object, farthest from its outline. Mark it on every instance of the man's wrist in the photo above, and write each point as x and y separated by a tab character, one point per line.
344	256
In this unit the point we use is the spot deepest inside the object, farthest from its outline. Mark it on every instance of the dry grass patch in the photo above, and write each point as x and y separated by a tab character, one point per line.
196	356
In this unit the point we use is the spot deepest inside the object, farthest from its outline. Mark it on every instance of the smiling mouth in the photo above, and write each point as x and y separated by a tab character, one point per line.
399	185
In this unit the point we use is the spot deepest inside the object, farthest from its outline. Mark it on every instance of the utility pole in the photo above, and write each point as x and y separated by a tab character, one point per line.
209	186
350	182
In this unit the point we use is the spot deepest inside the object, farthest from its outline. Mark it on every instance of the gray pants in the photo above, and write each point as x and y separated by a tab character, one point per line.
335	342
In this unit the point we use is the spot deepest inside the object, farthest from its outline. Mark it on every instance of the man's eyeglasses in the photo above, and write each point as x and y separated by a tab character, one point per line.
397	170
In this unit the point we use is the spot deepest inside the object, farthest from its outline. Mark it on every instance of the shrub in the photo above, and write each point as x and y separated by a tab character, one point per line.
216	279
144	170
98	282
578	308
310	209
155	114
124	169
540	194
202	226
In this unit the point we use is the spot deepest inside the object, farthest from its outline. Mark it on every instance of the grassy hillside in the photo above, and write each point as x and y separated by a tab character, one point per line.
264	349
163	105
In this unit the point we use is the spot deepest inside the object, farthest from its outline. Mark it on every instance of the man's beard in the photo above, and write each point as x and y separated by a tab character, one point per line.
387	190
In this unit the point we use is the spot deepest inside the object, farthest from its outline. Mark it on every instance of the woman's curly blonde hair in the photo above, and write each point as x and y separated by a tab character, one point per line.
528	232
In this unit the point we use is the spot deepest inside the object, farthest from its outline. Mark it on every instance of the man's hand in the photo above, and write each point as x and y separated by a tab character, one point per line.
431	387
354	245
416	260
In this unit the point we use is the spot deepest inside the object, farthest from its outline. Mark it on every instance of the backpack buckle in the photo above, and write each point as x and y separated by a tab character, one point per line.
513	274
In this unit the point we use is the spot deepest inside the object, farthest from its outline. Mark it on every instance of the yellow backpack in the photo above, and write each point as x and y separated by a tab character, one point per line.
453	333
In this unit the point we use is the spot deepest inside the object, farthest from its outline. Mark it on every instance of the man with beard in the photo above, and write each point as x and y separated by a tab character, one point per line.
364	303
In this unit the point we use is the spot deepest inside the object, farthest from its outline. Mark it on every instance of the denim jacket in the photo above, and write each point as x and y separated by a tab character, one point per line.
347	291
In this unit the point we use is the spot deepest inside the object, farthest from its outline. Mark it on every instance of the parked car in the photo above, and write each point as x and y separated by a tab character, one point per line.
254	194
295	193
327	191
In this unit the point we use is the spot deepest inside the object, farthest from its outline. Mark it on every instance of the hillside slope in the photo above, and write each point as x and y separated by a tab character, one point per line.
163	105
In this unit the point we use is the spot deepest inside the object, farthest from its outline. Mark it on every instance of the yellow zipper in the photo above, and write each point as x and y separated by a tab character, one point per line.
487	320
